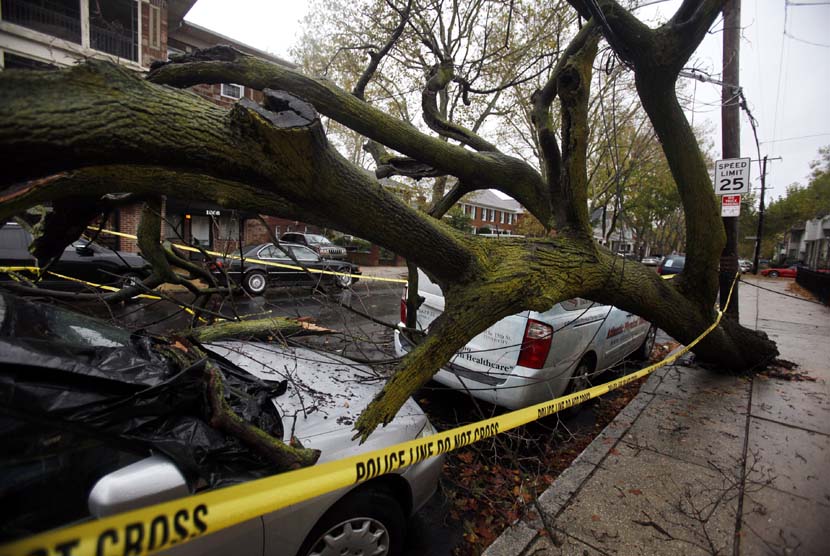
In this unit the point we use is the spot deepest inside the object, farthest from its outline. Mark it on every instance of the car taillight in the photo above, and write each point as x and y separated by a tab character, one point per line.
217	265
403	306
535	344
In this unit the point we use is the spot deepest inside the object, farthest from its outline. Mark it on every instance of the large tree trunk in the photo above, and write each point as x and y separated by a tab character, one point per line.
105	129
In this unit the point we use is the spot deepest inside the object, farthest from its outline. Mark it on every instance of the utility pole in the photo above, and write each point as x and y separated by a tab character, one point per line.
730	143
760	235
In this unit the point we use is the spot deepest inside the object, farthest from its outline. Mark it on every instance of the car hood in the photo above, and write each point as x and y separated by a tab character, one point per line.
324	396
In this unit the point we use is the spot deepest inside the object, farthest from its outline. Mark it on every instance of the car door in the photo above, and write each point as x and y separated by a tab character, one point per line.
311	260
277	274
622	333
85	262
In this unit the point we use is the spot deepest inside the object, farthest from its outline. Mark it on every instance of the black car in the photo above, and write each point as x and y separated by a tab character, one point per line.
81	260
672	264
316	242
255	276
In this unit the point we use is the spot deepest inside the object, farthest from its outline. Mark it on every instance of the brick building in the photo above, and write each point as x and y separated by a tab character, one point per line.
41	34
488	211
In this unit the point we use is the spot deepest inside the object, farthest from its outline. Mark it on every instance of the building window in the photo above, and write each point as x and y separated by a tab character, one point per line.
113	28
501	218
155	27
231	90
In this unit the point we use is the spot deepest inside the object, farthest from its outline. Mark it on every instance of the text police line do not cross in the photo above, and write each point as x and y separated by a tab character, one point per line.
732	176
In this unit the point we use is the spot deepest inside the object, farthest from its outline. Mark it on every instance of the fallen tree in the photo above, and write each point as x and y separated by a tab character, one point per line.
77	134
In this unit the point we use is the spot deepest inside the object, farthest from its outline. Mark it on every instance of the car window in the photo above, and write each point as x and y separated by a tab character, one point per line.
303	253
315	238
576	304
12	237
272	252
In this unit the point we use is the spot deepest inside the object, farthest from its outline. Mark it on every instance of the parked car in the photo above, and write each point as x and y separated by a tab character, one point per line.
745	264
788	272
318	243
85	403
255	277
531	357
671	264
651	261
82	260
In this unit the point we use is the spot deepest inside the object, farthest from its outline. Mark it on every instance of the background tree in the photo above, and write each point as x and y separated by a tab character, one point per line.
105	128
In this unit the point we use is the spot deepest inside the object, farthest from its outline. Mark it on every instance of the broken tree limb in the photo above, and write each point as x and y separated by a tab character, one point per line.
262	328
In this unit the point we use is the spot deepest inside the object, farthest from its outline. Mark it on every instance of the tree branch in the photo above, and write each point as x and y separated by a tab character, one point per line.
359	89
483	170
439	76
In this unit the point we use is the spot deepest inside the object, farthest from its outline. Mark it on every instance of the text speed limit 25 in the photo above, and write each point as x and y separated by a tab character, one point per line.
732	176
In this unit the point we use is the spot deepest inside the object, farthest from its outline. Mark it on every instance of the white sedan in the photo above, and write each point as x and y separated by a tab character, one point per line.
532	357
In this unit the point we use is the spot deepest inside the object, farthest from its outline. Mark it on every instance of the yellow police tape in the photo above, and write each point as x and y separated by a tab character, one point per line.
261	261
154	528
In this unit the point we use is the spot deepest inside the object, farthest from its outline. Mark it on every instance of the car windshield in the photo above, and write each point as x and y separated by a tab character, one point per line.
315	238
53	324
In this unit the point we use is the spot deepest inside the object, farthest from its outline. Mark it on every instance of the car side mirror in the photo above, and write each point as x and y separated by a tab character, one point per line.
84	250
148	481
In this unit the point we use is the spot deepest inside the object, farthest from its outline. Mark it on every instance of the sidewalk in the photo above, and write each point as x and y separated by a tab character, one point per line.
700	463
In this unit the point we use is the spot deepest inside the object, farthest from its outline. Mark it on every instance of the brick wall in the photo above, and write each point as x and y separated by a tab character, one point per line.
150	54
255	232
129	219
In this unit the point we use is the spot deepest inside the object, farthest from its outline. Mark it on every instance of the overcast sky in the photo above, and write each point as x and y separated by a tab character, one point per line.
786	79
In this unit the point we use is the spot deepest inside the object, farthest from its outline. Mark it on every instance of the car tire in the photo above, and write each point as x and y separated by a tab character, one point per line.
129	279
773	274
580	380
343	282
364	522
643	352
255	282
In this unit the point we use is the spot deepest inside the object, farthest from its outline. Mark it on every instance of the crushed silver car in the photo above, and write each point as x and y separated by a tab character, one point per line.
56	365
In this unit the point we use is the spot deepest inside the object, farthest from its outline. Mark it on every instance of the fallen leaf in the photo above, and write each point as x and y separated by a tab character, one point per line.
635	491
595	517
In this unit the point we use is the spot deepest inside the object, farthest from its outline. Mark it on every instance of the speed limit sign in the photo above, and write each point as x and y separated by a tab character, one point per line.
732	176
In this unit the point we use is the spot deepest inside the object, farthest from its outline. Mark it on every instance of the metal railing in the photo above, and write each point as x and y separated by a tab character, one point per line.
57	19
106	37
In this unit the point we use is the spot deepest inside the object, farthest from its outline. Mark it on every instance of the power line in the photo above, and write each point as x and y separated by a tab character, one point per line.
811	43
795	138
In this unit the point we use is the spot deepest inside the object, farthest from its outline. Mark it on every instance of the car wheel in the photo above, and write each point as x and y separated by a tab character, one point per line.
580	380
342	280
773	274
643	353
255	282
129	279
364	522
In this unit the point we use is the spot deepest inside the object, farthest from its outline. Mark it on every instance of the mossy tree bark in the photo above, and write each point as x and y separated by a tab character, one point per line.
105	128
